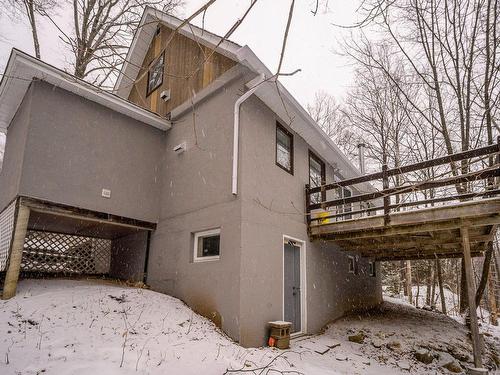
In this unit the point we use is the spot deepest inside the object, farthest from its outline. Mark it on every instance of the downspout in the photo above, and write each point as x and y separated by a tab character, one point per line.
236	132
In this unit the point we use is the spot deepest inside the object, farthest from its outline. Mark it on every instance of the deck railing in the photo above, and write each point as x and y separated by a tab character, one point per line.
463	178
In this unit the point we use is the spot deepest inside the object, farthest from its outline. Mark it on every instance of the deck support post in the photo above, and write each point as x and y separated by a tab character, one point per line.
16	252
471	296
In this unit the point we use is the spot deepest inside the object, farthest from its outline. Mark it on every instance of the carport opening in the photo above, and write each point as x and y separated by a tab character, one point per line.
62	241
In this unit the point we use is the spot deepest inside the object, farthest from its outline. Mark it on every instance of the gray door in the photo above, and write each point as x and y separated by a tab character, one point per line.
291	285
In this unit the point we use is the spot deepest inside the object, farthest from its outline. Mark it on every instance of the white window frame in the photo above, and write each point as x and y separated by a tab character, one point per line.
197	236
349	259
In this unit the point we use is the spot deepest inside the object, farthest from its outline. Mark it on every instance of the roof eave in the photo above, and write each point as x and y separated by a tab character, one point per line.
22	69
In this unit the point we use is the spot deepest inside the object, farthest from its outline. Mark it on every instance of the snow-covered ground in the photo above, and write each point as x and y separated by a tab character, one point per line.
94	327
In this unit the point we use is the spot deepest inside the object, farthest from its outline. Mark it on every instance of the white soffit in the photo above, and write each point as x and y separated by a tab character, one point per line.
22	69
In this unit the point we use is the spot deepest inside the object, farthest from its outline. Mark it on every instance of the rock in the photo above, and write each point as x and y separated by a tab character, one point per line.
448	362
453	367
459	353
358	338
341	357
394	345
424	356
404	365
377	343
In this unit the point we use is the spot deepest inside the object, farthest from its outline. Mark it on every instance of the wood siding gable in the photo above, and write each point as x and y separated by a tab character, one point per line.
188	68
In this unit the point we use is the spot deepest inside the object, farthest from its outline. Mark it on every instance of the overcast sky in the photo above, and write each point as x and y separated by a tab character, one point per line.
312	43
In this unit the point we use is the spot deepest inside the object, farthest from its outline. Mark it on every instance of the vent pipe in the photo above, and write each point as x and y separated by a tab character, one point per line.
361	154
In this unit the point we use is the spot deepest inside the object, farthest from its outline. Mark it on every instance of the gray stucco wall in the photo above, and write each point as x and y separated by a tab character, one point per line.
10	174
128	256
273	205
76	147
196	196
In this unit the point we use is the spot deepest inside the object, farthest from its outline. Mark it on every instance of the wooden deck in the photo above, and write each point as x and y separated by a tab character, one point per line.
419	234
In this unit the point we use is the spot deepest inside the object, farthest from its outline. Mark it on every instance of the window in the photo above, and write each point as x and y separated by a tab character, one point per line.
317	177
344	193
352	264
284	148
207	245
155	74
371	269
347	207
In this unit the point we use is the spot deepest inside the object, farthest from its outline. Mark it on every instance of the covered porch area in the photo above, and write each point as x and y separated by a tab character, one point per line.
40	238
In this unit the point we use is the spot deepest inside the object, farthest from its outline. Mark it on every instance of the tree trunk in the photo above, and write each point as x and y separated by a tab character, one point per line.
430	272
417	279
485	273
463	289
433	290
408	281
402	276
31	16
492	303
441	290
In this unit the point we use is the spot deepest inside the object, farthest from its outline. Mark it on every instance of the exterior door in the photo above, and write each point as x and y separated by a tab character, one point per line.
291	286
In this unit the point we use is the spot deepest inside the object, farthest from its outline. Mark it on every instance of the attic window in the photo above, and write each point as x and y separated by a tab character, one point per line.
155	74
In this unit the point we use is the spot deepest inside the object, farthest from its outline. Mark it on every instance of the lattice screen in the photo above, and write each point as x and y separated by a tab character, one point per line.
64	253
6	231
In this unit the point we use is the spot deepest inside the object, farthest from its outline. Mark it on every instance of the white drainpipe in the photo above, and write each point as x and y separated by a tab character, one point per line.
236	133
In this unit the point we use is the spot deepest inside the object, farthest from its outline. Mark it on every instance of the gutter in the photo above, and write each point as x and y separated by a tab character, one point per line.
236	131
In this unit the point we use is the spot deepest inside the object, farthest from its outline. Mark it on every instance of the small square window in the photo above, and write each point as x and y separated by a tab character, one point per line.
284	148
371	269
155	74
207	245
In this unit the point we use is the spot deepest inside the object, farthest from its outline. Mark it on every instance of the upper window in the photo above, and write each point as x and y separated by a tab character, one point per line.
155	74
284	148
207	245
317	177
343	193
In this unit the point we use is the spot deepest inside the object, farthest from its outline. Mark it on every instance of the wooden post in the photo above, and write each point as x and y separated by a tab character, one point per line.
16	252
471	296
387	201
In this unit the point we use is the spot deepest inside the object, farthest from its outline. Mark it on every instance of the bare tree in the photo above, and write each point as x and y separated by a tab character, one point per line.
451	49
102	33
327	113
29	9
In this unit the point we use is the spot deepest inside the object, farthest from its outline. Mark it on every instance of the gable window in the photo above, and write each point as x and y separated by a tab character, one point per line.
206	245
317	177
155	74
284	148
371	269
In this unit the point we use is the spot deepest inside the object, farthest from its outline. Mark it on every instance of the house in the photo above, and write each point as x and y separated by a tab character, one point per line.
190	176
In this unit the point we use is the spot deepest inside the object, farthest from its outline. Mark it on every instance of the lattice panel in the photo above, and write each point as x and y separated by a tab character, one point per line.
6	231
64	253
